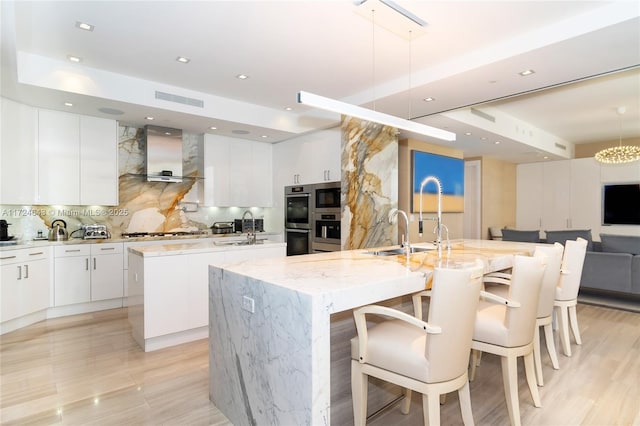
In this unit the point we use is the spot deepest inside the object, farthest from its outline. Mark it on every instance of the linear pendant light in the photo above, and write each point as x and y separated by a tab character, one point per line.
344	108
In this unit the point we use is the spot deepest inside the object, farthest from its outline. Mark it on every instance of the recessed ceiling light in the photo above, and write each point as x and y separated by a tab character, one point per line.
468	133
429	99
264	136
69	104
484	138
545	157
74	58
213	128
148	118
496	143
84	26
288	109
526	72
242	76
183	60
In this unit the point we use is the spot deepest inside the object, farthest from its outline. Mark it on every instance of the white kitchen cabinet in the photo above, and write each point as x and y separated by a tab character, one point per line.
59	158
326	160
556	195
169	293
77	159
311	158
88	273
586	195
529	196
18	153
559	195
24	282
238	172
106	264
98	161
72	274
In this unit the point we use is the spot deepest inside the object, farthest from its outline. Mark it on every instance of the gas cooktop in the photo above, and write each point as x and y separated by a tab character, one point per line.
161	234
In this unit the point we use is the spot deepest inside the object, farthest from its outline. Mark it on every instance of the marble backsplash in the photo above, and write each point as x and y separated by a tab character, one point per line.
369	184
143	206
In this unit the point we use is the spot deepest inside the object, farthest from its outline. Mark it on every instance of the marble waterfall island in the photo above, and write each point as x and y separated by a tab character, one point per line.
270	326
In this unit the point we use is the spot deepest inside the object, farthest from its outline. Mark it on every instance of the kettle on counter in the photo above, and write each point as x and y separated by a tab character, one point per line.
58	232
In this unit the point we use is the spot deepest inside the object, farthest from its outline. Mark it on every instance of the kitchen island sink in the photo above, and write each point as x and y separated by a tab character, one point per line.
399	250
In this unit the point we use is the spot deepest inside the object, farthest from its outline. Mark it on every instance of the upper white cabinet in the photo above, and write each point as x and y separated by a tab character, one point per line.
559	195
78	159
238	172
309	159
18	153
59	158
98	161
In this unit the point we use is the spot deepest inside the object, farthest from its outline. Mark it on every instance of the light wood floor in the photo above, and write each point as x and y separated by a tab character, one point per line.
86	369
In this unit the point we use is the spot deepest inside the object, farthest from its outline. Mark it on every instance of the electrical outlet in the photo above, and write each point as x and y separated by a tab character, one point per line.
248	304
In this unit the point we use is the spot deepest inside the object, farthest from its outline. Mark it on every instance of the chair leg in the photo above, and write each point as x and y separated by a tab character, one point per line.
465	404
406	402
573	320
359	382
551	346
563	324
510	379
475	354
431	409
536	356
531	381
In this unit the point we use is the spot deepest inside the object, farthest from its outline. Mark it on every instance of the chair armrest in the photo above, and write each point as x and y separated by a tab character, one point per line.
393	313
496	280
494	298
504	275
361	324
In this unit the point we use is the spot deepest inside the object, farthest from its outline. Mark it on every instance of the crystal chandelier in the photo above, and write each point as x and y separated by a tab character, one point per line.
619	154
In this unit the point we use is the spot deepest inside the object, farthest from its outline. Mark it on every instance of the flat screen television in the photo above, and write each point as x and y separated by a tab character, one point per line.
621	204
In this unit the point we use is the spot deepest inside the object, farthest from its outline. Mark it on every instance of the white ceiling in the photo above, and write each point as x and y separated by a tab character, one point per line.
470	53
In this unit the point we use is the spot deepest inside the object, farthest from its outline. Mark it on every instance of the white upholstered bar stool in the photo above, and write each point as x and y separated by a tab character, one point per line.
505	327
567	292
428	357
550	279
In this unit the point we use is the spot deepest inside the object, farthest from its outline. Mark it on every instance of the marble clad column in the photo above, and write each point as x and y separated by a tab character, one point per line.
369	183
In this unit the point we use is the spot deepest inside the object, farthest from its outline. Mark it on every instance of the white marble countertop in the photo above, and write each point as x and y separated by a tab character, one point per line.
351	278
170	239
173	249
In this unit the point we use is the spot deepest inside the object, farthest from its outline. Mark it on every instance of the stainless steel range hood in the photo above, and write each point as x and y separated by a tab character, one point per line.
163	160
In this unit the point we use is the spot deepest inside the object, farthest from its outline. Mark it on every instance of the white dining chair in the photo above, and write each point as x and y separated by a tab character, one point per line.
553	259
427	357
505	327
566	299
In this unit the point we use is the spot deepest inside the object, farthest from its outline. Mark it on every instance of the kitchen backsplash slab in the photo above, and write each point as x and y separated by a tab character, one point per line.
144	206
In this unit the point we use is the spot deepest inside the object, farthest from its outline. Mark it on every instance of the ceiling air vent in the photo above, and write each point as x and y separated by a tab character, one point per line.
179	99
559	145
484	115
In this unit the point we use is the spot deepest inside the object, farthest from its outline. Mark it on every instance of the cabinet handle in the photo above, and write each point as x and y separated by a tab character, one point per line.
86	264
71	251
107	248
94	263
36	254
7	257
26	271
19	272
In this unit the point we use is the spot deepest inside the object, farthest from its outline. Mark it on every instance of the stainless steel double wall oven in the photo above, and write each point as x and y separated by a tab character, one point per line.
312	218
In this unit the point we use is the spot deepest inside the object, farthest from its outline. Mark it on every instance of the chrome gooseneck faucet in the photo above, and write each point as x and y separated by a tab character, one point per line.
424	182
251	236
405	239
